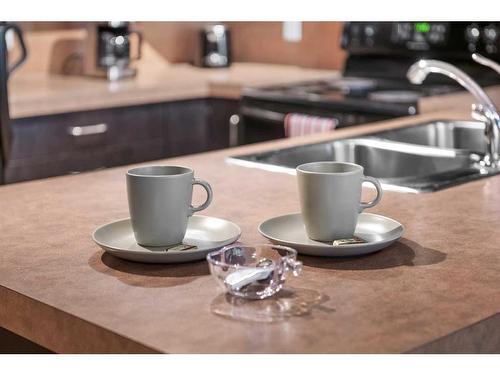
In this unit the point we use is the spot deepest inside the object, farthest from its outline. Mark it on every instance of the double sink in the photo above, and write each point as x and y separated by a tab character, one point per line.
419	158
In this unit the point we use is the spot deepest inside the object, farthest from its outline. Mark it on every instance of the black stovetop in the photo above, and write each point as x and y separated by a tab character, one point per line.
359	94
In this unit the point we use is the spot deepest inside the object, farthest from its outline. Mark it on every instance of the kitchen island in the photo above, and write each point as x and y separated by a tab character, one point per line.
435	290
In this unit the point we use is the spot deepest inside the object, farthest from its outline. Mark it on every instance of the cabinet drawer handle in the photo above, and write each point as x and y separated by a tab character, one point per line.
234	130
78	131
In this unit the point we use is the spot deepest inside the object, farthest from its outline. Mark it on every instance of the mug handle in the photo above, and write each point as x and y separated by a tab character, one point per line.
374	181
208	189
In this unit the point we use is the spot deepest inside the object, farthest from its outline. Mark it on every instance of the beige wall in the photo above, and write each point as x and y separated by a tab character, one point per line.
253	42
263	42
51	42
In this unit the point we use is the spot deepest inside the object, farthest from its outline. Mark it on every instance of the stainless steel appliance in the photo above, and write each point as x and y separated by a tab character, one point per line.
215	47
108	51
6	69
374	84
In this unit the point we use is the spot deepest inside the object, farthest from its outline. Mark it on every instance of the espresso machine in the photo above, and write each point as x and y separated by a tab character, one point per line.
108	50
214	47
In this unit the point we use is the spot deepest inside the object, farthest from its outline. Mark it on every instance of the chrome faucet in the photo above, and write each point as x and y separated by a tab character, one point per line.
484	110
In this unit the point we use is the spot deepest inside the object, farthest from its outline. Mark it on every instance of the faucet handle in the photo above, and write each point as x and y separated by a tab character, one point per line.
478	112
480	59
481	113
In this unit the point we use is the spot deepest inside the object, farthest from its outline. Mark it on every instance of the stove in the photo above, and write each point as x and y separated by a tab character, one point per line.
374	85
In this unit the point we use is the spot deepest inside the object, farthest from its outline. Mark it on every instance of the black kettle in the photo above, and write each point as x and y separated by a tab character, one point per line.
5	71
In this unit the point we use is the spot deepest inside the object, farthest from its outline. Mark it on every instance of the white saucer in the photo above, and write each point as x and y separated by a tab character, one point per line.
207	233
289	230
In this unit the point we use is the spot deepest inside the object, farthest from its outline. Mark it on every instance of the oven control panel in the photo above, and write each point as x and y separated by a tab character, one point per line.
457	39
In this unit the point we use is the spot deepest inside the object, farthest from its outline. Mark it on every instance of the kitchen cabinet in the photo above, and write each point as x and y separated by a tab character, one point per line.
220	111
186	127
59	144
197	125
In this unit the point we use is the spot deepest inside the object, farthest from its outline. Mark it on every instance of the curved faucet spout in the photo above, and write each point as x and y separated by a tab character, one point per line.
480	59
484	109
418	72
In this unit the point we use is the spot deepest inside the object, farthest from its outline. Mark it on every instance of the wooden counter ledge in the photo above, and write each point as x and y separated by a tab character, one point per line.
436	290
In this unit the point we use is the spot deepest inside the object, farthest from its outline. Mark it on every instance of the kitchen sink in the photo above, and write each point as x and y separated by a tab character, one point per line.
419	158
466	135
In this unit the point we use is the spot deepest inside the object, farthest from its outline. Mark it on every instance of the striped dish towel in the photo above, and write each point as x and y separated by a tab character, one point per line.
297	124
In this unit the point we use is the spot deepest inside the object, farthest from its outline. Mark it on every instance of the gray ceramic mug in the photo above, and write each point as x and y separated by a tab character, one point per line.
330	198
159	200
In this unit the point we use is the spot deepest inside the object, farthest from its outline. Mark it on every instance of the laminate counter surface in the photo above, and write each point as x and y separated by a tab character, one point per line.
35	94
438	287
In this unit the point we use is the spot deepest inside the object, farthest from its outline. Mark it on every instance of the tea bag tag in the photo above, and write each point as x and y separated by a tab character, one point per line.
348	241
181	247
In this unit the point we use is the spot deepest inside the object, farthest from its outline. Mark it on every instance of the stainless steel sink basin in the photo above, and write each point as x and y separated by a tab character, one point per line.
425	157
465	135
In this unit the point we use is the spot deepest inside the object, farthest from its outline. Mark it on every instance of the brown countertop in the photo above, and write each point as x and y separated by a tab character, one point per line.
461	101
34	94
437	289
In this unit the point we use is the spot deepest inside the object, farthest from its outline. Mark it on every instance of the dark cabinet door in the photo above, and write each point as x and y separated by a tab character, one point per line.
74	142
185	128
197	125
54	145
219	127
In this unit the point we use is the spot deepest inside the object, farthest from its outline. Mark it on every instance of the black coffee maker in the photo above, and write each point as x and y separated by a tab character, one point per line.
5	71
214	49
108	52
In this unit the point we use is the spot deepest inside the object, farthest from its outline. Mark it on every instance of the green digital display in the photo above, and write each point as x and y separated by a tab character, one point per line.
422	27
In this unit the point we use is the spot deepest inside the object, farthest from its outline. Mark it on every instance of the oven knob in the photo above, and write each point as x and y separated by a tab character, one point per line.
490	34
491	48
472	47
472	33
403	31
435	37
369	31
437	33
417	37
440	28
354	29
